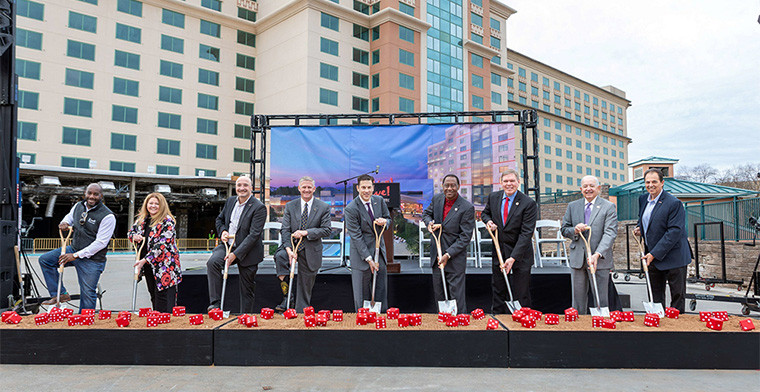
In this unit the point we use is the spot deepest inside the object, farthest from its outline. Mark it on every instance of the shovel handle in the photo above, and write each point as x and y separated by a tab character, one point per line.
495	239
65	240
437	239
591	268
377	235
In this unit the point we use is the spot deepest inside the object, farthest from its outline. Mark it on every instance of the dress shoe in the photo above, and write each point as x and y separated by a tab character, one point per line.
53	301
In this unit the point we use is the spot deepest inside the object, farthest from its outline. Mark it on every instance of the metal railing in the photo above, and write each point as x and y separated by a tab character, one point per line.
37	245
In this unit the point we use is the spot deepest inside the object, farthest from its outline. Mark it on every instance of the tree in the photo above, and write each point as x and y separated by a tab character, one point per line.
703	173
746	176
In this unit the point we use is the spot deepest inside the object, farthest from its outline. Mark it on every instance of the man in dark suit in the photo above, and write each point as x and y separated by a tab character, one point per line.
514	215
601	216
307	218
456	217
663	220
361	214
242	216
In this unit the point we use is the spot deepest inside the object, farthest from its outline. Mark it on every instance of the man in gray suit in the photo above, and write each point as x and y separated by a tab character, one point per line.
361	214
456	217
307	218
601	215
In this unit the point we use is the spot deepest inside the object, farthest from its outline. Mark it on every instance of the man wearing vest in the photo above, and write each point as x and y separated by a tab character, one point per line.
93	224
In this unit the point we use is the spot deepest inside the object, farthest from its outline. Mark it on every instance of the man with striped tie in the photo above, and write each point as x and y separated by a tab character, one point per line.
308	219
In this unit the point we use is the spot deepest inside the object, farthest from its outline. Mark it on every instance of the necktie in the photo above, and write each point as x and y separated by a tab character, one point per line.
506	212
587	213
371	215
304	216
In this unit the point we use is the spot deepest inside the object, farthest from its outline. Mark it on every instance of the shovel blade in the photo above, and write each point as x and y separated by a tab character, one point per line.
604	312
373	307
513	306
226	314
449	306
655	308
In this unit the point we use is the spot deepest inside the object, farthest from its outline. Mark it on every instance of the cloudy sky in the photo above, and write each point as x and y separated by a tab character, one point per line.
690	67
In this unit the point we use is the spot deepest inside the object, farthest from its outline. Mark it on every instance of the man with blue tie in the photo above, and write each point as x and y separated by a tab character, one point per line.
514	215
662	219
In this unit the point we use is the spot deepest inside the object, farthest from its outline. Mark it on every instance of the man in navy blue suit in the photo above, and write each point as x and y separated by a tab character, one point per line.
662	219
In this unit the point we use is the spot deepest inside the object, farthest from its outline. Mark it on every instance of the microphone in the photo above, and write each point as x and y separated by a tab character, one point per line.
377	169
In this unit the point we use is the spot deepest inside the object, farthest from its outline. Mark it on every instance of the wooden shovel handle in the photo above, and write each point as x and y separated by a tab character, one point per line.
591	268
377	235
495	238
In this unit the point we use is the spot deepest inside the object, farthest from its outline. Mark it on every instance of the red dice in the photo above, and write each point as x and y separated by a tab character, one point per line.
153	320
104	315
56	316
571	314
178	311
535	314
215	314
551	319
371	317
651	320
122	321
361	319
337	315
608	323
290	314
463	319
704	316
143	312
67	312
492	324
308	311
596	321
528	322
88	319
442	317
616	315
126	314
380	322
415	319
629	316
392	313
362	310
41	319
87	312
14	319
75	319
672	313
267	313
251	321
196	319
309	321
452	321
478	314
7	314
320	319
326	313
722	315
241	318
747	325
403	320
715	324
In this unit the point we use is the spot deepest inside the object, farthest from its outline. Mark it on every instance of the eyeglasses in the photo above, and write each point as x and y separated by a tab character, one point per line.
83	218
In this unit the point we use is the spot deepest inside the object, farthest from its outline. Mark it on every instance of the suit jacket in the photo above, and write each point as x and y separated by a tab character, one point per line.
457	229
603	232
248	248
317	225
516	237
666	236
359	227
160	250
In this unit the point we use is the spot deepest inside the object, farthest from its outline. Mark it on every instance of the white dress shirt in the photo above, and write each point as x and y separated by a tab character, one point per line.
237	211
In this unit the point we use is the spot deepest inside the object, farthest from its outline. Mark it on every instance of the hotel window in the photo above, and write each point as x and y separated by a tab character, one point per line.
406	81
360	104
215	5
122	166
361	56
80	50
244	108
241	155
209	77
205	151
477	102
83	22
76	136
476	19
211	28
477	81
126	87
120	141
30	9
246	14
360	80
405	8
495	24
405	105
31	39
169	120
477	38
406	34
208	52
328	46
330	22
246	38
206	126
126	60
173	18
246	62
328	71
123	114
128	33
27	130
170	69
361	32
77	78
76	107
207	101
243	84
167	170
80	163
170	94
328	97
131	7
168	147
406	58
495	98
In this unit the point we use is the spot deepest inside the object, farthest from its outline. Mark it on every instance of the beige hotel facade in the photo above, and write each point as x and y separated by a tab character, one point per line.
167	87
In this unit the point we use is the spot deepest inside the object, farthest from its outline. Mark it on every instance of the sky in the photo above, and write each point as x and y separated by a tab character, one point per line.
691	69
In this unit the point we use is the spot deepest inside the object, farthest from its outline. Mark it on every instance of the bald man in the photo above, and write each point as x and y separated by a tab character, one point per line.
93	224
242	216
601	216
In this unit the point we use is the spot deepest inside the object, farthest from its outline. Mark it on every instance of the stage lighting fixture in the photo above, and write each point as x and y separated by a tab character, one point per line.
49	180
107	185
208	192
162	188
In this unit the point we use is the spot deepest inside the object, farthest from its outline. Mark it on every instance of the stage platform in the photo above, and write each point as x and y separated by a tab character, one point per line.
411	290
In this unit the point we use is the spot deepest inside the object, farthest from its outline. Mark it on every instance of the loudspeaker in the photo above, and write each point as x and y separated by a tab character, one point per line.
7	262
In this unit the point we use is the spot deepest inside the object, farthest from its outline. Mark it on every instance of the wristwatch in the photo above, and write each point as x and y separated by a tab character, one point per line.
76	255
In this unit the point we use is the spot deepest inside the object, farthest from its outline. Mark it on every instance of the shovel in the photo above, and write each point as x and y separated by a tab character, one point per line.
447	306
372	305
292	266
137	274
598	311
228	247
651	306
512	305
64	242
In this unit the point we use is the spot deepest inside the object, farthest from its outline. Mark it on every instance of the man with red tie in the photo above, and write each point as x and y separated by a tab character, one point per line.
513	215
